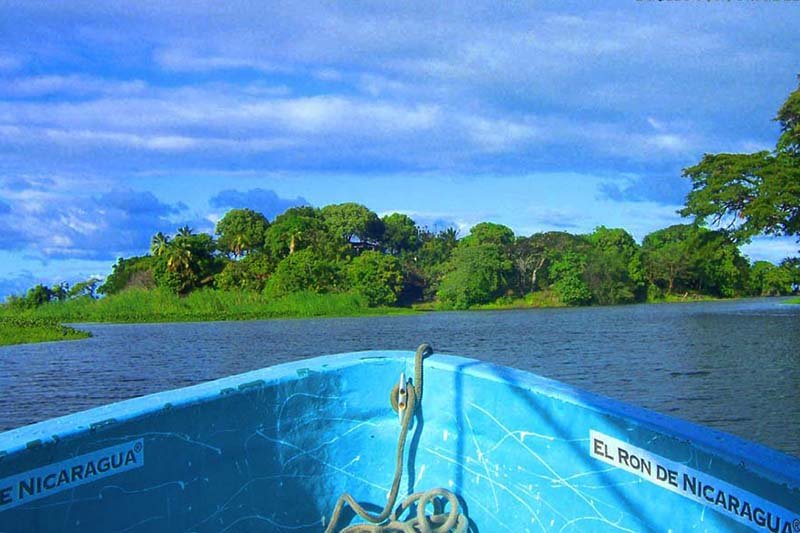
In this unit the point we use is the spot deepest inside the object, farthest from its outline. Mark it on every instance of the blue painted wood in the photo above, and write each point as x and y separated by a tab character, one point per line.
271	450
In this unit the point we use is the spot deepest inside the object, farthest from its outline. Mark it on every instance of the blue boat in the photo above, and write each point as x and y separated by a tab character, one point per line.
444	444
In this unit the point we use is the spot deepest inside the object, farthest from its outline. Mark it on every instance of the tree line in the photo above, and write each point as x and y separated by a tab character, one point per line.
391	260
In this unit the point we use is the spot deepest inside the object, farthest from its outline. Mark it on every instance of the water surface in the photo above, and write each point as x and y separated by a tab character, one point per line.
734	365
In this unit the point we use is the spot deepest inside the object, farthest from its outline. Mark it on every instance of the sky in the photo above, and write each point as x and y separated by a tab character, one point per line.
122	119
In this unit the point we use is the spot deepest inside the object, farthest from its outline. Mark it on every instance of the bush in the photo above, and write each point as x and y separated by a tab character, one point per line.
303	271
479	275
378	277
569	285
248	274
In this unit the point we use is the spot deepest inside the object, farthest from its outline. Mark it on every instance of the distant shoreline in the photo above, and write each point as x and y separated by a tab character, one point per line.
46	324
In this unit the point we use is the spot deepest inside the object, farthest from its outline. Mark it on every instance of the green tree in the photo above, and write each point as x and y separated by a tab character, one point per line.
37	295
533	256
477	274
424	268
376	276
666	258
747	194
613	271
789	119
490	233
767	279
528	256
59	292
295	229
241	231
400	235
159	244
304	270
86	288
754	193
351	221
173	270
687	258
480	269
133	271
248	274
188	263
718	267
567	273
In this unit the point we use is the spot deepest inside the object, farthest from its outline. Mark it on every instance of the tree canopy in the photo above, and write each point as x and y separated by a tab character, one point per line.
294	230
478	273
376	276
687	257
400	234
353	221
751	194
341	249
241	231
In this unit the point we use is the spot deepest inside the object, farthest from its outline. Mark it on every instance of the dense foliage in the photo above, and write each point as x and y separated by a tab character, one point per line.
383	262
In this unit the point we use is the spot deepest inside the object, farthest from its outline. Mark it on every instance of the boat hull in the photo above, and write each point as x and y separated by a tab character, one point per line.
271	450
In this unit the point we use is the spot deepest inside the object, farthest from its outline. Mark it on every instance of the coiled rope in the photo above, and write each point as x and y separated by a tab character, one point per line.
389	521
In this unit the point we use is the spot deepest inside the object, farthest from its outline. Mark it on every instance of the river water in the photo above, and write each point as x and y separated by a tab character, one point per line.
732	365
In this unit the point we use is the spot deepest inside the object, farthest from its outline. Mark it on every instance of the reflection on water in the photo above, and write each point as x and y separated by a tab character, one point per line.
734	365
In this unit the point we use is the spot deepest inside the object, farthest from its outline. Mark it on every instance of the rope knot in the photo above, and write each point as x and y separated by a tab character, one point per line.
388	521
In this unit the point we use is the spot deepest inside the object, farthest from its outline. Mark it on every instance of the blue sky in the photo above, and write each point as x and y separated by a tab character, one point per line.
118	120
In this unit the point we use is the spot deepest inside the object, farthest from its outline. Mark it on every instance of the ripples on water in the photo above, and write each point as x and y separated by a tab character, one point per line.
732	365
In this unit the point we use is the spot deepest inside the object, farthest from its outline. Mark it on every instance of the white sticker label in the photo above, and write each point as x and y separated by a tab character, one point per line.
723	497
47	480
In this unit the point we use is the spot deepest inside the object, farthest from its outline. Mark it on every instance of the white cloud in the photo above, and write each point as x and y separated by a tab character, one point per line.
35	86
493	135
328	74
656	124
9	62
185	60
773	249
399	83
154	143
674	143
101	222
227	118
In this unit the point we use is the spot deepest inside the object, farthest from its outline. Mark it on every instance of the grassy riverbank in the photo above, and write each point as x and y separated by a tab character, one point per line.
21	330
204	305
535	300
44	323
141	306
549	299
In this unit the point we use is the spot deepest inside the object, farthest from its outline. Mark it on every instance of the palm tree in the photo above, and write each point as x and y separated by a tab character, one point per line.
179	258
185	231
159	244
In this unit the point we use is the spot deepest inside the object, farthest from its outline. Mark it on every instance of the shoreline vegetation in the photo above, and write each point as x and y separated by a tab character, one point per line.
137	306
153	306
47	323
24	330
345	260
